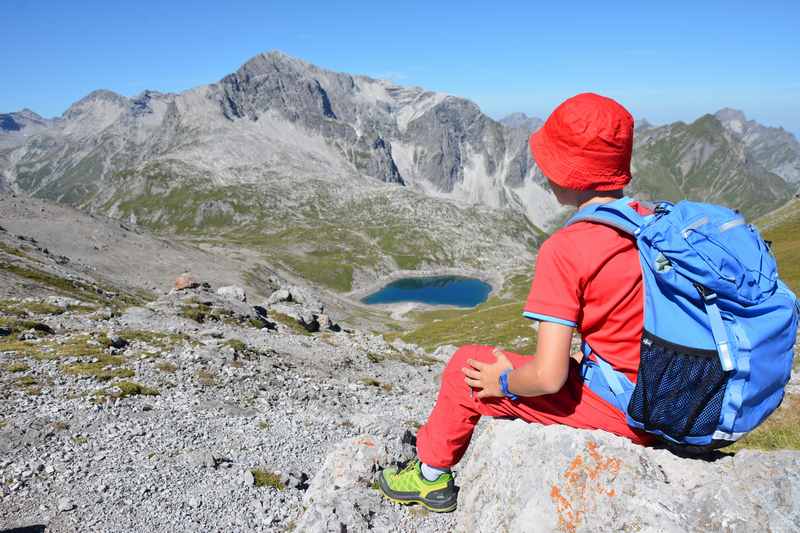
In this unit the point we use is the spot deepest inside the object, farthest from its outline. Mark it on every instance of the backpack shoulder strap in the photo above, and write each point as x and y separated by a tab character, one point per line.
617	214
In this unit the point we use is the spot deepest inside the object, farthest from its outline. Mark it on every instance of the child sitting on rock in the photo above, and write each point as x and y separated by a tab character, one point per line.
587	279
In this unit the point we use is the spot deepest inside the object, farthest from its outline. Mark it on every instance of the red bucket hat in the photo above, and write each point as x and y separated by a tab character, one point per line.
586	143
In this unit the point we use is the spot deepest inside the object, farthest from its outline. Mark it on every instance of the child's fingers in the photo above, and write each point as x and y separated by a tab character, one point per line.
476	364
474	383
471	372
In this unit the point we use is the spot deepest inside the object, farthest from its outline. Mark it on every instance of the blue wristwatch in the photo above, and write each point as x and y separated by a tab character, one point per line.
504	385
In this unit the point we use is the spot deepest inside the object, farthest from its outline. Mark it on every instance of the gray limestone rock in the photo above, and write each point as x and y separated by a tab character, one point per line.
531	478
339	497
232	292
281	295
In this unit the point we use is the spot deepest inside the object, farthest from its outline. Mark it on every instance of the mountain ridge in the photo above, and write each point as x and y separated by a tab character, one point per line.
282	149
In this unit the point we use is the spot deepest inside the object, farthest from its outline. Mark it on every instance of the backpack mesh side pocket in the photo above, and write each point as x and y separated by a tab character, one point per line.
679	390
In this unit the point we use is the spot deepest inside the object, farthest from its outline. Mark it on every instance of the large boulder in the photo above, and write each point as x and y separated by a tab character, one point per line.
340	497
529	478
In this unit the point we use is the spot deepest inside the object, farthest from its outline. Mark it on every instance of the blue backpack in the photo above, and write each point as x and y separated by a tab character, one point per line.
719	326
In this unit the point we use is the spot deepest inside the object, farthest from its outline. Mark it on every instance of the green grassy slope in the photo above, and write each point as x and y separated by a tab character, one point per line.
327	233
497	322
782	227
700	161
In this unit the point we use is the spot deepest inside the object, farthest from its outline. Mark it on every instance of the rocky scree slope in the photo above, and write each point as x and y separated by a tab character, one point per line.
195	411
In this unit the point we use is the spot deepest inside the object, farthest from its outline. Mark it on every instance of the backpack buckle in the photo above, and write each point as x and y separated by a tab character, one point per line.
706	294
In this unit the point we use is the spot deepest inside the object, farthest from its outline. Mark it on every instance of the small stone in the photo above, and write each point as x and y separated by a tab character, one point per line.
65	505
203	459
186	281
194	502
281	295
248	480
43	328
233	292
117	342
309	321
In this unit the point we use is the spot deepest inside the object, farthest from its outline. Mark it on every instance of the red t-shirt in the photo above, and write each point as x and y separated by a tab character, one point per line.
588	276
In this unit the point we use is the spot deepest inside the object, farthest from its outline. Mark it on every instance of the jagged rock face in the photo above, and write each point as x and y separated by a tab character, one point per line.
775	149
530	478
276	120
703	161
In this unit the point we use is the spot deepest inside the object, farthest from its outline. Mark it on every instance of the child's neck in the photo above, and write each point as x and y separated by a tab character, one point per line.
586	198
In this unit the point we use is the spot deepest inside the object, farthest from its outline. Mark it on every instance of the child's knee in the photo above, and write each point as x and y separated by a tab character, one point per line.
477	352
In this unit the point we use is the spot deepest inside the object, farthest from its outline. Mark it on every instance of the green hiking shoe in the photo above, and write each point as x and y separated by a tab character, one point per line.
408	486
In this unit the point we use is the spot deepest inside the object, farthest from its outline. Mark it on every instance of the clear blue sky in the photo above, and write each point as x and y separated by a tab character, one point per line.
664	60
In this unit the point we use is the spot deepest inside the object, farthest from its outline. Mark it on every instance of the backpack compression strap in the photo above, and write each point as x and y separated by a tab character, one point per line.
611	385
617	214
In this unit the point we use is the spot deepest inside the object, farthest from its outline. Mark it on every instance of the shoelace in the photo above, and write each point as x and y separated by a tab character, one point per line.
412	465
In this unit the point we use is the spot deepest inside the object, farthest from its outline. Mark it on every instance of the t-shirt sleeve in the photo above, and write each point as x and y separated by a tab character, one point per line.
556	288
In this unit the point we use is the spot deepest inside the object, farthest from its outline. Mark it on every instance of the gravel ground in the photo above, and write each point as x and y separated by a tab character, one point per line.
77	457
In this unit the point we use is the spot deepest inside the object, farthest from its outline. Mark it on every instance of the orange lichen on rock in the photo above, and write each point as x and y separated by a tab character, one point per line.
589	476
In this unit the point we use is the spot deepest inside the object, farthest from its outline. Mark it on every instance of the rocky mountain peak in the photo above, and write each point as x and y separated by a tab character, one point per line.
521	121
727	114
93	99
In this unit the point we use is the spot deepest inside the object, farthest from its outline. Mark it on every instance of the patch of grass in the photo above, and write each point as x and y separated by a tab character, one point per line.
198	314
73	288
237	345
264	478
372	382
413	424
205	377
263	425
23	348
80	346
3	424
99	370
23	309
162	341
295	326
16	324
496	322
17	367
781	431
25	381
129	388
11	250
783	229
79	440
166	366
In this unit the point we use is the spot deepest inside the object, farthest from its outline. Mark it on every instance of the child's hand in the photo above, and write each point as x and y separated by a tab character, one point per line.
485	376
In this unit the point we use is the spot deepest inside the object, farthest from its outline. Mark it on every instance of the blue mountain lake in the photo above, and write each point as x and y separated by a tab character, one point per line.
435	290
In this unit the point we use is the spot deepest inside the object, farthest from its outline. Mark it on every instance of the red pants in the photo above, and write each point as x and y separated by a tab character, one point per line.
442	441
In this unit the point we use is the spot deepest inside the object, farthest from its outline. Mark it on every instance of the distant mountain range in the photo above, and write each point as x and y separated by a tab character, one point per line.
344	178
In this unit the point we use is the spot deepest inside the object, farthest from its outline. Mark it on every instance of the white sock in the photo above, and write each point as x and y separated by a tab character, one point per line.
430	473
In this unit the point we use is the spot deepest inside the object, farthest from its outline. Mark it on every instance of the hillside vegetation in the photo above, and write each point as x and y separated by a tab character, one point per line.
782	227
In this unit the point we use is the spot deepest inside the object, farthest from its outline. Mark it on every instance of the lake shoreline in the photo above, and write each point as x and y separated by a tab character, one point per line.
398	309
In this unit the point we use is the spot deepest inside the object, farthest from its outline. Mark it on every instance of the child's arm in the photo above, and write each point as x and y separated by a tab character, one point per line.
544	374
